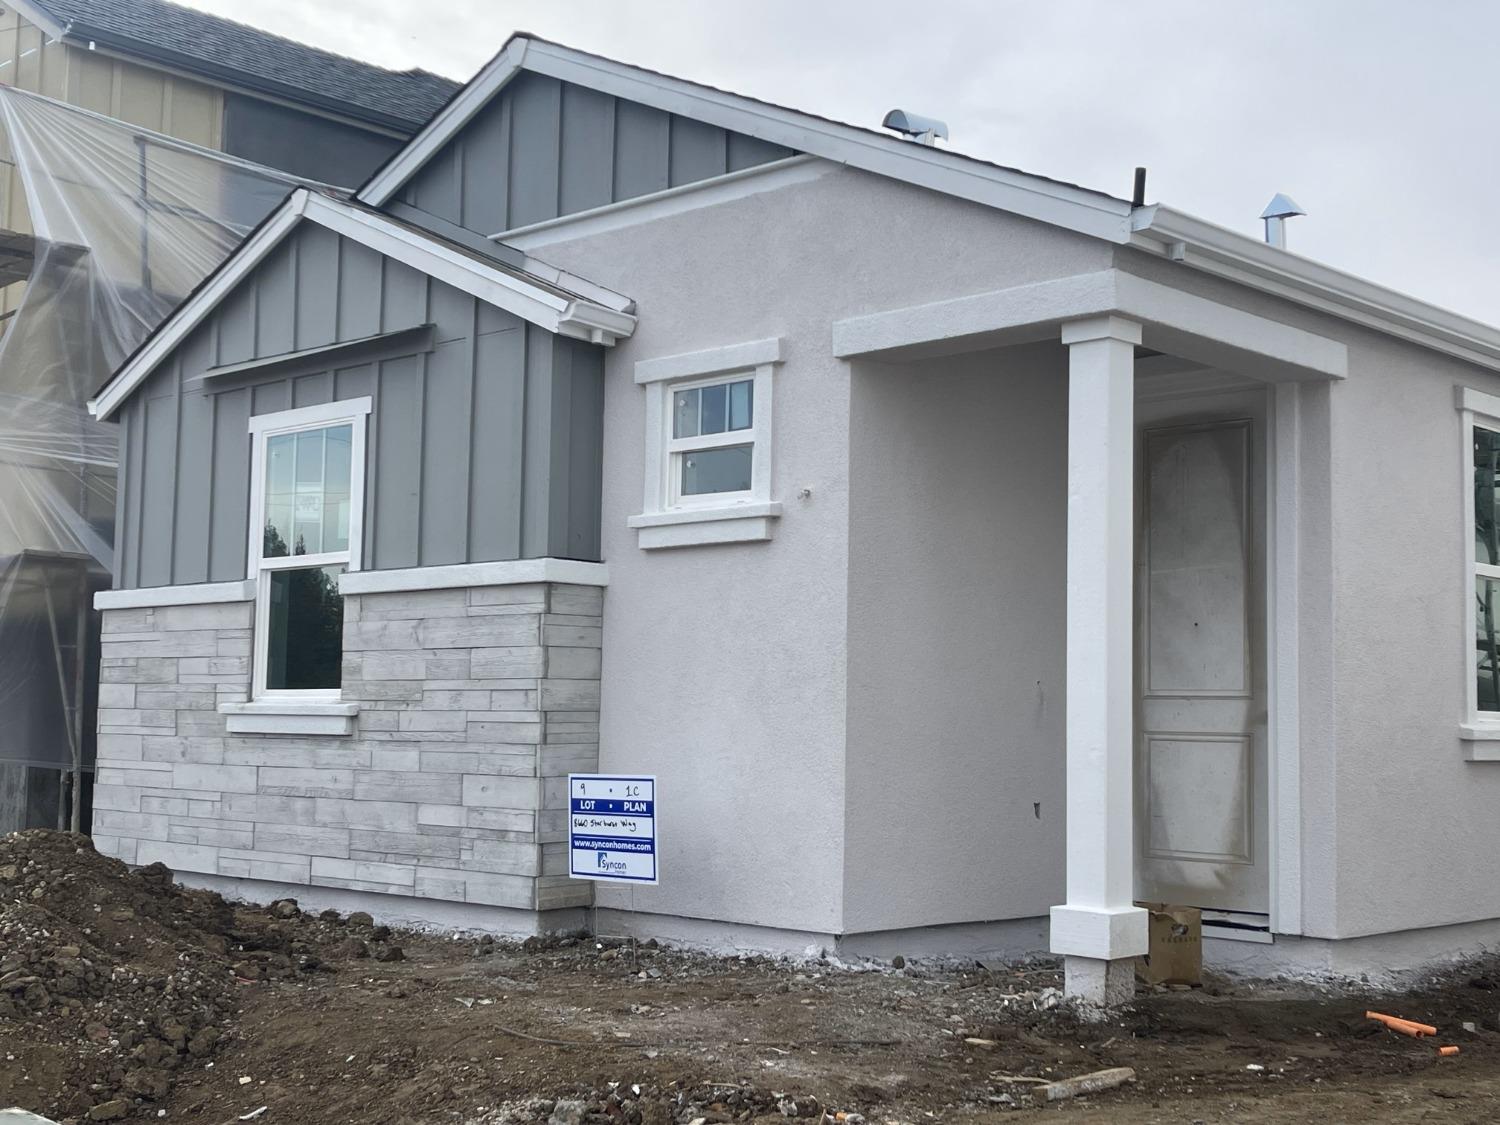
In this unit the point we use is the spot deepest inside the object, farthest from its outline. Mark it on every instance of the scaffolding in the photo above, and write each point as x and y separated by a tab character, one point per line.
124	224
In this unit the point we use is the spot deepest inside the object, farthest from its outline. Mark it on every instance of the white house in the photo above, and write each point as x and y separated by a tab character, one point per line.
969	555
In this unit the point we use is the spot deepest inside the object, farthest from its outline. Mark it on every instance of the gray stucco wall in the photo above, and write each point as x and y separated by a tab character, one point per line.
957	594
725	669
1401	537
486	447
582	149
1396	824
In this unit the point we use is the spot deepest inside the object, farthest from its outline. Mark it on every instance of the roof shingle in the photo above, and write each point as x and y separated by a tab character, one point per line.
237	53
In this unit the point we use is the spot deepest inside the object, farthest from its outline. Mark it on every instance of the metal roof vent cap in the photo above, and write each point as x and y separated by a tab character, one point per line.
923	130
1277	212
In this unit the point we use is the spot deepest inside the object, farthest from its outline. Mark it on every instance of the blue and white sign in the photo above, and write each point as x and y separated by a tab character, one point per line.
612	827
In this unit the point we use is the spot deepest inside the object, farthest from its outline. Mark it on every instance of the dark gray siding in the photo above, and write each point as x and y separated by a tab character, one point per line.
581	149
303	143
486	447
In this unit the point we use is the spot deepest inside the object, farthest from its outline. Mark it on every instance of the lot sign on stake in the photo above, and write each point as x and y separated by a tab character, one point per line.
612	828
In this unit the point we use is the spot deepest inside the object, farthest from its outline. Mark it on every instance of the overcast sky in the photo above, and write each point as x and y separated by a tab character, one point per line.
1378	116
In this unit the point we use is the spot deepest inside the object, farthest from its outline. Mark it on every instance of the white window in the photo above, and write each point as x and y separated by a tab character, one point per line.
708	438
306	515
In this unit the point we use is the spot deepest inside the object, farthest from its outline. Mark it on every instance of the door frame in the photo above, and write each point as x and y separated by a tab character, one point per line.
1280	443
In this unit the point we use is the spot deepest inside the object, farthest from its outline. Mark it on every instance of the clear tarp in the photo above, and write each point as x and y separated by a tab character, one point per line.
124	223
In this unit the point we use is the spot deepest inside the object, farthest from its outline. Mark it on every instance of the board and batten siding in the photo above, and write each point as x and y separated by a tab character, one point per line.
487	447
583	150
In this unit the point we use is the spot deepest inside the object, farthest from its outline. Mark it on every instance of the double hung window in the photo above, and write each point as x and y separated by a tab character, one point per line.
307	493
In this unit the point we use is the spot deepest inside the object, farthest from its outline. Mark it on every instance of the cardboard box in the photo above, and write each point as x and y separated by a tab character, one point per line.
1175	950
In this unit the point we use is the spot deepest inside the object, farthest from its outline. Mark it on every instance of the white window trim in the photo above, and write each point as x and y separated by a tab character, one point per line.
317	711
670	520
1479	731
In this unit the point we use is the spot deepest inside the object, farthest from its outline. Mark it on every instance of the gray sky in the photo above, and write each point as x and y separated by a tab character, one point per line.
1378	116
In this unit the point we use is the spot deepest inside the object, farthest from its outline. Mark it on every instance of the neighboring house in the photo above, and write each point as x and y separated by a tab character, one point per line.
217	83
190	77
957	547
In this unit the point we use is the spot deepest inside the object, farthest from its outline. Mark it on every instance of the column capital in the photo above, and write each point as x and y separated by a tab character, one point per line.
1101	328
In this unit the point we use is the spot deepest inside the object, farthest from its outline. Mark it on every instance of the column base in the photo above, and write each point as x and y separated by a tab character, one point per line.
1101	984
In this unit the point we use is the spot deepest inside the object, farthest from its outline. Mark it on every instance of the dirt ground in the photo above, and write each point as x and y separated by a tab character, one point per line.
140	1001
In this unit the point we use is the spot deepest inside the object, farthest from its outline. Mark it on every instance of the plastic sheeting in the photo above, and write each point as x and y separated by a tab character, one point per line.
125	222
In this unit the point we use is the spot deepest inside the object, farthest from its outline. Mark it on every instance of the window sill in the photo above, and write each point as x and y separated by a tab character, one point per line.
290	716
749	522
1481	741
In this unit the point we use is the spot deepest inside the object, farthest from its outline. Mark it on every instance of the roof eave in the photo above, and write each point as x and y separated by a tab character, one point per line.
533	299
89	38
1214	249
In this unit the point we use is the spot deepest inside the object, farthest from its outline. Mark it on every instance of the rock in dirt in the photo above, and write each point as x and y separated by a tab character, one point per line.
361	920
112	1110
568	1113
382	952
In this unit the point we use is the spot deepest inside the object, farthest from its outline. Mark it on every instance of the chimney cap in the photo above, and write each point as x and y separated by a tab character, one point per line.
1281	207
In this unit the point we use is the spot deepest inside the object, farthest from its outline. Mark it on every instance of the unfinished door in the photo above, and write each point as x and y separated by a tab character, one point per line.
1200	669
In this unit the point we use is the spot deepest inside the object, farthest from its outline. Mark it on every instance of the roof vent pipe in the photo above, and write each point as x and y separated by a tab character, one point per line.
923	130
1277	212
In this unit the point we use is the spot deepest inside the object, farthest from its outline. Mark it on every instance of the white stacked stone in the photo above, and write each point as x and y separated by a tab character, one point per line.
474	705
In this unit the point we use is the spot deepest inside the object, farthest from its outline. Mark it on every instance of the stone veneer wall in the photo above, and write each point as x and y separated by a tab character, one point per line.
475	704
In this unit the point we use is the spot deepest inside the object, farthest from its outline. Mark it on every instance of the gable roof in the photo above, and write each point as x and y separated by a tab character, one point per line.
1156	230
599	318
1037	197
226	52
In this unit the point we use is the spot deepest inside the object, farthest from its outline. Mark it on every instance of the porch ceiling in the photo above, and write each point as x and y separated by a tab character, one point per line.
1171	320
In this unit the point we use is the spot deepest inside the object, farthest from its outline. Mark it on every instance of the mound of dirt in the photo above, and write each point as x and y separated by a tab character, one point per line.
114	981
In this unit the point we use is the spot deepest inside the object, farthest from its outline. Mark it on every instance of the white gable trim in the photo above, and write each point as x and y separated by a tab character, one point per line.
562	314
1032	196
38	17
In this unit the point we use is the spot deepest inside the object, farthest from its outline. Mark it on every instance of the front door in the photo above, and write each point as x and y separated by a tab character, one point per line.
1201	792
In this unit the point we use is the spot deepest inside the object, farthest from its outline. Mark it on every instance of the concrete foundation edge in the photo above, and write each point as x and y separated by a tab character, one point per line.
1011	938
1382	959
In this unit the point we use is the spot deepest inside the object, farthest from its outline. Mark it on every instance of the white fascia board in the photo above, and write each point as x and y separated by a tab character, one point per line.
201	593
1031	196
192	312
1048	304
39	17
513	572
388	179
653	206
563	315
1214	249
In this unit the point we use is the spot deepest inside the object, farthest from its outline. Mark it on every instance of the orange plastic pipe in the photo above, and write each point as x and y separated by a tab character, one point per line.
1405	1027
1447	1050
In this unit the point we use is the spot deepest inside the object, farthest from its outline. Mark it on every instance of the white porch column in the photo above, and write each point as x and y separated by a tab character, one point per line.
1099	931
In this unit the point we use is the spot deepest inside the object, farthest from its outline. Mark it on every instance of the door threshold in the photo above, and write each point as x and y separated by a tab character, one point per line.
1234	925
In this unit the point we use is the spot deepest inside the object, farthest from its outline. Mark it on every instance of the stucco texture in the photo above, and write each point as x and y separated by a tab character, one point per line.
1396	824
725	669
958	536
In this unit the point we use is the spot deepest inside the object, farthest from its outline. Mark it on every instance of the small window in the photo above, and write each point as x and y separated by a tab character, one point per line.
306	505
711	451
709	446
